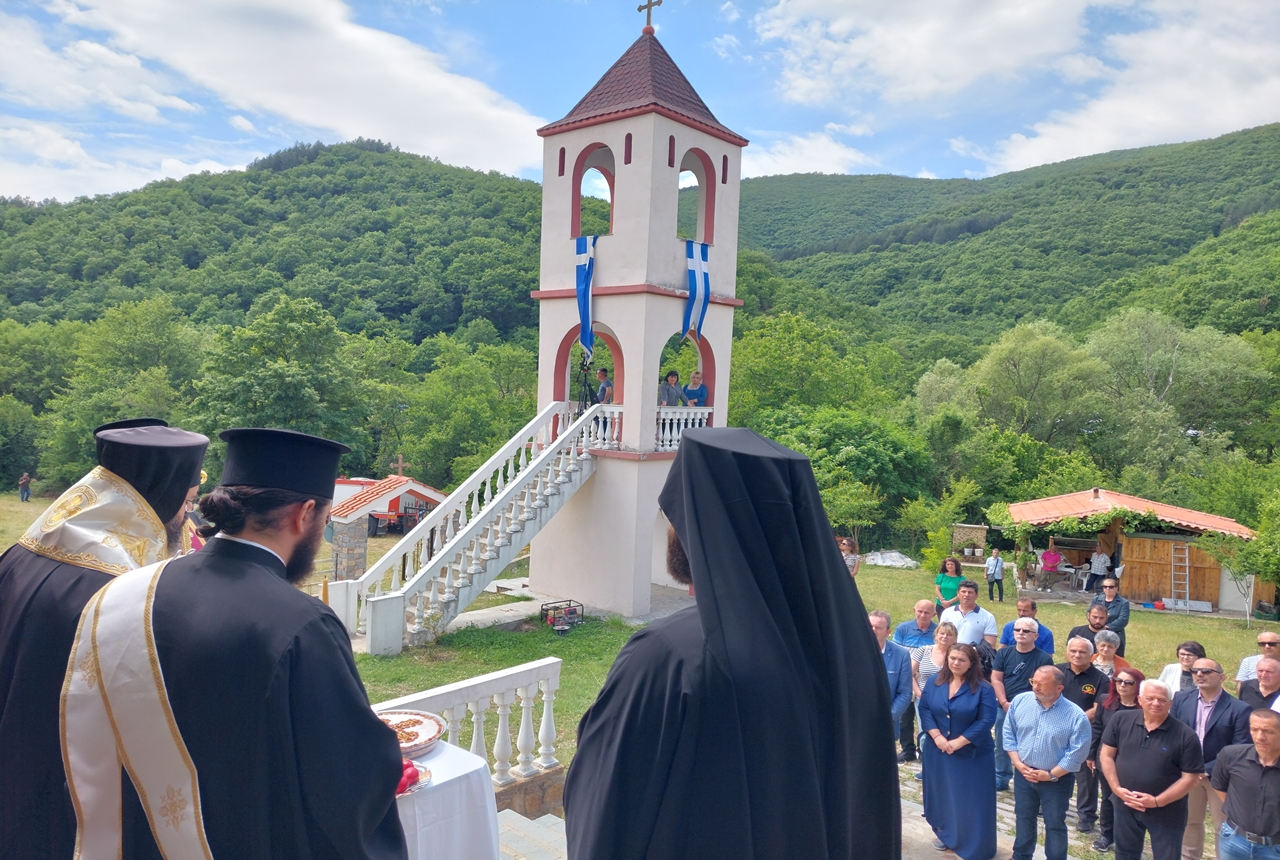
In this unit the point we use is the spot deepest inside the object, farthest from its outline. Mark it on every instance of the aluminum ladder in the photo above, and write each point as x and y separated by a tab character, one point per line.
1181	577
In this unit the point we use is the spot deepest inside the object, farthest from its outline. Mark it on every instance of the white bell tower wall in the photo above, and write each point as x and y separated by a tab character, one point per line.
605	546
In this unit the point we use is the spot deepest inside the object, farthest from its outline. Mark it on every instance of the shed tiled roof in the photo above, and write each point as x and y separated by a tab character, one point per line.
643	79
383	491
1096	501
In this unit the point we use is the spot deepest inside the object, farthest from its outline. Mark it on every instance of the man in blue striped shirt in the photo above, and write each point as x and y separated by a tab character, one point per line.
1047	739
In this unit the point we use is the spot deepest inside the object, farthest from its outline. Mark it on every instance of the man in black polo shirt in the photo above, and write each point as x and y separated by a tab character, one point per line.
1261	692
1011	673
1086	686
1247	778
1151	761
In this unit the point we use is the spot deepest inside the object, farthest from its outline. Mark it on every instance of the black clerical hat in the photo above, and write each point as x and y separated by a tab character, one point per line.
124	424
162	463
281	459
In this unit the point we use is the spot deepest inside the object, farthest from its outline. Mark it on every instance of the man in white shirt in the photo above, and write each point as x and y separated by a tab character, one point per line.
1099	567
973	623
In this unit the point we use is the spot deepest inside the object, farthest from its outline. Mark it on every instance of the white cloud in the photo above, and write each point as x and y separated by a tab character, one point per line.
1204	69
312	65
816	152
857	129
913	49
239	123
726	46
1078	68
730	12
82	74
40	160
926	173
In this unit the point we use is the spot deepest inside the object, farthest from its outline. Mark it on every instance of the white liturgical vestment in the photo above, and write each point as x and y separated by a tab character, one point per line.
116	713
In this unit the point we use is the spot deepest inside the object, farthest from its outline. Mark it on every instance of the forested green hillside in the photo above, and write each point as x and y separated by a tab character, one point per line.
937	348
779	213
385	240
1051	234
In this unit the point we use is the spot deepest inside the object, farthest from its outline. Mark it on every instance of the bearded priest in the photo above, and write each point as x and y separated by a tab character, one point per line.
229	697
126	513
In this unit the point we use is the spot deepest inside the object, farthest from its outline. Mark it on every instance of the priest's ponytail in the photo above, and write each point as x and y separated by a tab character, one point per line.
230	509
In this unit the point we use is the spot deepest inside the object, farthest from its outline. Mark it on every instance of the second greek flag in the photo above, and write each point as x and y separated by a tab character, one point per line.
695	309
585	273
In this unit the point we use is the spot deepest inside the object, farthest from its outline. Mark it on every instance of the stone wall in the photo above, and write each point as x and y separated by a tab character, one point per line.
350	548
535	796
963	534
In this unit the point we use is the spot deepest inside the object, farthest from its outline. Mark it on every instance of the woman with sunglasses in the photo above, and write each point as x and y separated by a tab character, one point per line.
1123	696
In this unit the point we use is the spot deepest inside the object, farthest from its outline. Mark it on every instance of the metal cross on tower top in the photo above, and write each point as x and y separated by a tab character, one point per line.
400	465
647	9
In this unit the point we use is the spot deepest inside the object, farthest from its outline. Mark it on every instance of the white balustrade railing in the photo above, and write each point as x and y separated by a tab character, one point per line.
525	683
605	432
445	562
674	420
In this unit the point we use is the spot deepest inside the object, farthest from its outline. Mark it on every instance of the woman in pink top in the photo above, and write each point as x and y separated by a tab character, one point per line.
1049	565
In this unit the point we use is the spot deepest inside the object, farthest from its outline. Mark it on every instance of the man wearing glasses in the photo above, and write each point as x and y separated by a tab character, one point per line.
1011	674
1117	609
1268	646
1219	720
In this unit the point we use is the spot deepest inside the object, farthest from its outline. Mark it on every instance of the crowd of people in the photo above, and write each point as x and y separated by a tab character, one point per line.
1145	759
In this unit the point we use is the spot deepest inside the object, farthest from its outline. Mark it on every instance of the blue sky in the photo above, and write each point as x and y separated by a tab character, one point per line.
104	95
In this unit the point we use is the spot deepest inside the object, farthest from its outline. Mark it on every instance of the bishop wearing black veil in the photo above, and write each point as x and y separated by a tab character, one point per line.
125	513
756	724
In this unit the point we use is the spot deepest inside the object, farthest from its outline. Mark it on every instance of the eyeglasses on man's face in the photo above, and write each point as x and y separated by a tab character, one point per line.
1110	587
1268	643
1203	671
1023	630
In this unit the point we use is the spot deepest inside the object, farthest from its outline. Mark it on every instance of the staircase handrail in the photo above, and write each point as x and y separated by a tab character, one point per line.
505	496
447	509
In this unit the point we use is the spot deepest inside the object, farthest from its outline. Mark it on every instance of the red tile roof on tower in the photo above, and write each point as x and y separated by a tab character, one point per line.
1097	501
644	80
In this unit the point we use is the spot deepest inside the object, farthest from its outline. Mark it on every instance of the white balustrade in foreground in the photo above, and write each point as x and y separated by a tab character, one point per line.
523	684
674	420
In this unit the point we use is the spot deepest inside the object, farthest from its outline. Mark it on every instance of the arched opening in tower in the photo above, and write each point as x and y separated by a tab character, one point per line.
696	213
592	206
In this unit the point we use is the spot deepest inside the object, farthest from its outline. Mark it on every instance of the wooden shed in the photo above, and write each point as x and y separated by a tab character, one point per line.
1151	561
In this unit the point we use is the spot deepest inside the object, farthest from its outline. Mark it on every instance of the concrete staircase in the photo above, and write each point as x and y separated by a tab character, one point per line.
522	839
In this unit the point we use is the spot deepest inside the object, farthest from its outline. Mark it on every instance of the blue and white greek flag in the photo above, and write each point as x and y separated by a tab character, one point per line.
695	309
585	274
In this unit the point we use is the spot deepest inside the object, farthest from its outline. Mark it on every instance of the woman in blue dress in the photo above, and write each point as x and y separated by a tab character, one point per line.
957	711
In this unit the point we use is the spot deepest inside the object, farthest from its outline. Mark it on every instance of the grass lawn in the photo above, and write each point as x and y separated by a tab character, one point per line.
16	517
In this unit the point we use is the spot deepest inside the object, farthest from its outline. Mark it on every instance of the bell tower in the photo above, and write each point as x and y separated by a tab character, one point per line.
640	126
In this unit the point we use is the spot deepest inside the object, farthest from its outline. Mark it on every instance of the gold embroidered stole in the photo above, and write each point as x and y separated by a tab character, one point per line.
101	523
116	713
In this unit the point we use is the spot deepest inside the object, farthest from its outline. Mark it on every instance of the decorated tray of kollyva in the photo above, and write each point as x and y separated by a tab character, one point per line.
418	731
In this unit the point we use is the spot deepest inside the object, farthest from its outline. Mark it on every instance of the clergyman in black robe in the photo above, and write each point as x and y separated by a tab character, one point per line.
92	533
757	723
291	760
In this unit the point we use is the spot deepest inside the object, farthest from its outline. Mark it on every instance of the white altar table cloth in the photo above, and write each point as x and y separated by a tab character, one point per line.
456	816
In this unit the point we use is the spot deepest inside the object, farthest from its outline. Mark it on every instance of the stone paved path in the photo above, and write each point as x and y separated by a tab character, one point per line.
522	839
